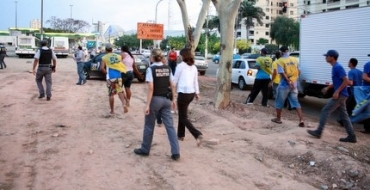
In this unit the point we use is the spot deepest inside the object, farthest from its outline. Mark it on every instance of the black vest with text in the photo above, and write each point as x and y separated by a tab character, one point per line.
45	56
161	80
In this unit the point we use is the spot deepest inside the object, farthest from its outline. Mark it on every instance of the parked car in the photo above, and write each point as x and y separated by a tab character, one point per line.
92	67
201	64
216	58
253	56
295	54
243	72
246	55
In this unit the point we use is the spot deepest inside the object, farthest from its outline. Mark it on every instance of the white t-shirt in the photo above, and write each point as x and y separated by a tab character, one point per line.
186	78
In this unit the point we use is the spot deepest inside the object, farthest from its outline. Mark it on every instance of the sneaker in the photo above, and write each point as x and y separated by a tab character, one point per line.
41	96
48	98
159	124
175	156
84	82
138	151
78	83
248	103
314	133
181	138
349	138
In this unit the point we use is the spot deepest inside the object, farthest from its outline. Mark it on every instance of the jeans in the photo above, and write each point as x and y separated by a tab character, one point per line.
160	105
284	94
172	65
259	85
40	74
339	105
80	69
183	101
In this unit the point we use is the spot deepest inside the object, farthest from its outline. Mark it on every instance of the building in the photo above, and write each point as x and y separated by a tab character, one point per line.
318	6
295	9
35	24
272	9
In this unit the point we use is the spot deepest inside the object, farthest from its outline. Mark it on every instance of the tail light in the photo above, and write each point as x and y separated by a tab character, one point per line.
249	73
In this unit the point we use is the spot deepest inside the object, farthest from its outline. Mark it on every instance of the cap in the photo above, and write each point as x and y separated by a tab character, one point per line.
108	46
43	42
368	55
284	48
264	50
332	53
156	52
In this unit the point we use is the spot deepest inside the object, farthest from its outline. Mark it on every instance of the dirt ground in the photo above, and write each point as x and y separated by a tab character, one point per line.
69	143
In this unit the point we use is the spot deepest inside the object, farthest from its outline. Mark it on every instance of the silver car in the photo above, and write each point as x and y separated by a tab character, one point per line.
201	64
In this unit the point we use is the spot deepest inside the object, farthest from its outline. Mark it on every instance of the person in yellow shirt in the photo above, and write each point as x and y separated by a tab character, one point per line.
262	80
275	77
113	67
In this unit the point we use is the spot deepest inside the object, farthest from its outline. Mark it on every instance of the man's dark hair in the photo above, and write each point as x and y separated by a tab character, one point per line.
79	47
277	54
43	43
353	61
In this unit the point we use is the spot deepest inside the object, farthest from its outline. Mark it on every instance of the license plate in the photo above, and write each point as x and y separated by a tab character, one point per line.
142	67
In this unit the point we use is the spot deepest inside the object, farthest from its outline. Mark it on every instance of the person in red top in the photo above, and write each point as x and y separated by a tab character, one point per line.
172	60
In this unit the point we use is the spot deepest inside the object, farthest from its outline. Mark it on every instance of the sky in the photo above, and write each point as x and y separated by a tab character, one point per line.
125	13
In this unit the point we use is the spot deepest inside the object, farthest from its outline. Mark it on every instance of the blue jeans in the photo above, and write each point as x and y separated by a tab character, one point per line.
339	105
160	105
80	69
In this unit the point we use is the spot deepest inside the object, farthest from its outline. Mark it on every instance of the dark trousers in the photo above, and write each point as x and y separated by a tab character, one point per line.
183	101
259	85
172	65
2	63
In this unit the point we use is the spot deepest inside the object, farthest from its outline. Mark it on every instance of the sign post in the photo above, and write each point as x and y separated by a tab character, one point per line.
149	31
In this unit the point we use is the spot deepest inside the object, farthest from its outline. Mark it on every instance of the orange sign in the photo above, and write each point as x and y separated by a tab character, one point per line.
149	31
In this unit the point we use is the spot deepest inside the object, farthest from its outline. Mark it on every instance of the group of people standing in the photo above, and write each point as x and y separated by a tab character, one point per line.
284	74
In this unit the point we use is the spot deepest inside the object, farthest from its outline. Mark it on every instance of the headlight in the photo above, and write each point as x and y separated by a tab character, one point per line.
249	73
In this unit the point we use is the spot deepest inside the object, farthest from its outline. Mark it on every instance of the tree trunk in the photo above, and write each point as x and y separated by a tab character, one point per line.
227	10
192	37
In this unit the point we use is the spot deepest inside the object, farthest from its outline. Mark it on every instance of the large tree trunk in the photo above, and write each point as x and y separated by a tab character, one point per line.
192	37
227	11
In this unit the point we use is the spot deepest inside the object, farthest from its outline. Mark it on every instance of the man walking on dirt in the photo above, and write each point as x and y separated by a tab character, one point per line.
2	56
172	60
43	58
338	101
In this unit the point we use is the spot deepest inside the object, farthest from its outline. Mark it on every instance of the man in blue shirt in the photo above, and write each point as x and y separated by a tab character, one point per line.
338	101
366	74
355	79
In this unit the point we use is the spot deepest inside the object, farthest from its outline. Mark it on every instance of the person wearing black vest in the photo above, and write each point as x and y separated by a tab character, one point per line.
2	56
43	58
159	78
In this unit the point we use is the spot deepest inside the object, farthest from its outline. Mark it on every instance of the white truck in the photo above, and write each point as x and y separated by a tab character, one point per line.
60	46
26	46
346	31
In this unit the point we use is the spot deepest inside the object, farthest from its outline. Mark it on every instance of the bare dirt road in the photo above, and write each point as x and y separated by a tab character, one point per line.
69	143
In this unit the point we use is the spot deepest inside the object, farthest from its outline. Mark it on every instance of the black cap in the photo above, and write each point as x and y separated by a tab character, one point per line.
284	49
43	43
264	50
368	55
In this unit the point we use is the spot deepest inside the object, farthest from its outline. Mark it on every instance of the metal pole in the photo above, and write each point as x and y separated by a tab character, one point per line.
71	10
42	20
16	15
156	10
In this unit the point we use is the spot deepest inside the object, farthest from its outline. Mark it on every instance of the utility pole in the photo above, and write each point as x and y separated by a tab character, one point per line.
16	15
71	10
156	10
42	20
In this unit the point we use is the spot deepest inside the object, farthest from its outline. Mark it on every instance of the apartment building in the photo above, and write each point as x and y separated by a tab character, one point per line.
295	9
35	24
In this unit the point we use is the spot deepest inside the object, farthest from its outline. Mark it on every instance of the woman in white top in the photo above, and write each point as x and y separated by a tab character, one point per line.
127	78
186	81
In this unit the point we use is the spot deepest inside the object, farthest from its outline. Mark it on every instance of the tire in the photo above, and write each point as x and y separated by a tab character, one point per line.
216	61
202	72
301	95
241	84
87	74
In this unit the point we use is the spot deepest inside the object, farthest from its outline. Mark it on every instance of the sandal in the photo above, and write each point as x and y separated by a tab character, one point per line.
301	124
275	120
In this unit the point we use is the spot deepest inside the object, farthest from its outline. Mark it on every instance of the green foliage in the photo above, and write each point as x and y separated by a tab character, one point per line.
243	44
68	25
272	48
132	42
262	41
177	42
285	31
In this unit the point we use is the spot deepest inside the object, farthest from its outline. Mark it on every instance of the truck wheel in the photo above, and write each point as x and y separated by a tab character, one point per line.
242	85
202	72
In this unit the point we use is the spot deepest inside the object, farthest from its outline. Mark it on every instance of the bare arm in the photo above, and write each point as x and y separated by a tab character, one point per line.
365	77
102	67
35	62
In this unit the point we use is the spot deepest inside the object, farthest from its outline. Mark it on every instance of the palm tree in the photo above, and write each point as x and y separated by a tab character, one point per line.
213	22
248	12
